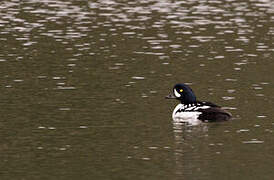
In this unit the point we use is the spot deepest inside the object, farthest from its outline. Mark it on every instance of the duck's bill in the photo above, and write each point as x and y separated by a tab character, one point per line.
170	96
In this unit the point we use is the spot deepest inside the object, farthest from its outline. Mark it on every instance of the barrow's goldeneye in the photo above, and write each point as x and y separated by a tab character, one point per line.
192	111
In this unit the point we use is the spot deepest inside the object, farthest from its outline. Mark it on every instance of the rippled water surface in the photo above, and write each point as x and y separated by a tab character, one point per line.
83	86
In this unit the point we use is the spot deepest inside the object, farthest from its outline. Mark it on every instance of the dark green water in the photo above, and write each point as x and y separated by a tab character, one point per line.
83	86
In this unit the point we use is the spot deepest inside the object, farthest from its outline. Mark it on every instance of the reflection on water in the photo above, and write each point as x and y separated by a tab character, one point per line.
83	85
201	150
186	152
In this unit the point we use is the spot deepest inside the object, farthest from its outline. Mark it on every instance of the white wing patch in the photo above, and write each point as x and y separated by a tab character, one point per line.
201	107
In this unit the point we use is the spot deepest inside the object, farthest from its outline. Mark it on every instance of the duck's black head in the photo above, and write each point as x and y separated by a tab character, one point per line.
183	93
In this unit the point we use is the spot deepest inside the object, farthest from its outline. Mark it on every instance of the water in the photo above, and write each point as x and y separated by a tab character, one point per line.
83	86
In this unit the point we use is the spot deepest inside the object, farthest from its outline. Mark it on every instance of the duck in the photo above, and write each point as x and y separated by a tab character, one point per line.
192	111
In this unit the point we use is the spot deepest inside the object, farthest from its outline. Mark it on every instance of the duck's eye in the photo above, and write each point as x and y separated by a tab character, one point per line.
181	90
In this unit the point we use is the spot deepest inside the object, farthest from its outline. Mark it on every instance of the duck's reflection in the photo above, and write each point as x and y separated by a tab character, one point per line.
191	149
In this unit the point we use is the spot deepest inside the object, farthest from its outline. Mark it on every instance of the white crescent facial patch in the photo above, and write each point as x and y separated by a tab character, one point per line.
176	93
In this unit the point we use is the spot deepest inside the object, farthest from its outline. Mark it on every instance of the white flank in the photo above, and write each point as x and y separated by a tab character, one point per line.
185	117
